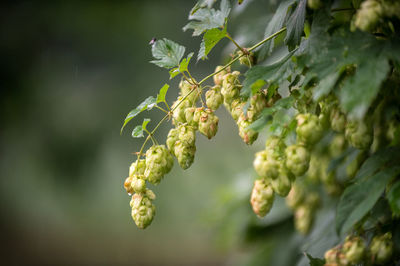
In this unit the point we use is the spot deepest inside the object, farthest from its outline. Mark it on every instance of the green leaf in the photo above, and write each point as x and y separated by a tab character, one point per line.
274	73
295	25
315	261
358	199
210	39
162	93
360	90
167	53
138	130
393	197
147	104
275	24
174	72
183	66
207	18
201	4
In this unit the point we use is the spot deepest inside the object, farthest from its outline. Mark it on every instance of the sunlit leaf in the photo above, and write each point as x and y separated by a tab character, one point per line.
162	93
183	66
138	131
210	39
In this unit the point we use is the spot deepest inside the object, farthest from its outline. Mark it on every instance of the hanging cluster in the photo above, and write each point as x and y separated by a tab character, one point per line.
355	251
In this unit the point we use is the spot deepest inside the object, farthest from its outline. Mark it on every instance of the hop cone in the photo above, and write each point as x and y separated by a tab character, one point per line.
208	123
184	153
297	159
309	130
262	198
359	134
158	163
214	97
143	210
247	134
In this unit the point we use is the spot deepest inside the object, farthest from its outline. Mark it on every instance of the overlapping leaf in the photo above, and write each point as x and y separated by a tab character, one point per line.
167	53
210	39
207	18
295	25
138	130
147	104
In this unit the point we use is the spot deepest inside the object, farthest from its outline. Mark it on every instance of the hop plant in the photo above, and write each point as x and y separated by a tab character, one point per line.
219	77
184	154
190	117
262	198
236	109
381	248
246	59
187	134
314	4
179	107
158	163
283	183
138	184
303	219
297	159
230	87
359	134
353	249
137	167
214	97
309	130
172	137
208	123
188	89
143	210
338	120
266	164
296	196
368	15
247	134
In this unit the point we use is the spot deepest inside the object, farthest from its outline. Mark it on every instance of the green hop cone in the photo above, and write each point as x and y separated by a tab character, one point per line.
309	131
184	154
137	167
187	134
338	145
214	97
190	117
262	198
138	184
283	183
219	77
143	210
187	88
338	120
332	256
236	109
208	123
381	248
173	136
258	102
178	107
368	15
127	185
230	87
303	218
247	60
275	144
353	249
267	164
297	159
359	134
296	196
314	4
247	134
314	170
159	162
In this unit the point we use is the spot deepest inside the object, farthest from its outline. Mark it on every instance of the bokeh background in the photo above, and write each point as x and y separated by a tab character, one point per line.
69	73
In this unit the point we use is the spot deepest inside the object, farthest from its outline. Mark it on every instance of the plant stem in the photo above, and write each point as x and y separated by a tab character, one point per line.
235	43
239	56
162	109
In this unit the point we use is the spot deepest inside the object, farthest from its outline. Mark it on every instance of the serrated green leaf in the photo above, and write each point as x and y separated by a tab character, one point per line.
210	39
360	90
358	199
393	197
275	24
167	53
183	66
295	25
174	72
315	261
208	18
201	4
137	132
162	93
147	104
274	73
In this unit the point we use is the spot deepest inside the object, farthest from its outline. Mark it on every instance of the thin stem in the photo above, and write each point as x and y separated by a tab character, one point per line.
151	136
162	109
239	56
166	104
193	80
235	43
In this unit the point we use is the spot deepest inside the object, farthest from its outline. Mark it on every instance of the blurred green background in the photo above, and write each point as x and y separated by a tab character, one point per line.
70	72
